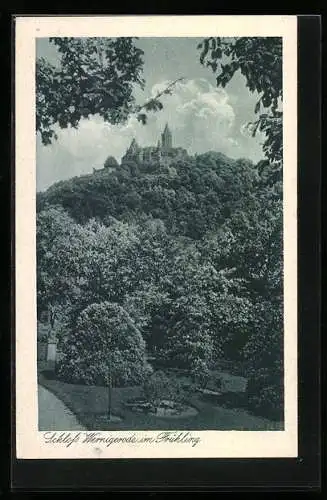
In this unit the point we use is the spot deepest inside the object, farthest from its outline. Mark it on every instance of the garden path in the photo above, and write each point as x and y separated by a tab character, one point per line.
54	414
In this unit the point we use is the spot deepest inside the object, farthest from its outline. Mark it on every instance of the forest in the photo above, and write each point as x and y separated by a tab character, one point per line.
179	267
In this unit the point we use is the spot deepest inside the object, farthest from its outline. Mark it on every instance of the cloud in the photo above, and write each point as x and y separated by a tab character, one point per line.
200	116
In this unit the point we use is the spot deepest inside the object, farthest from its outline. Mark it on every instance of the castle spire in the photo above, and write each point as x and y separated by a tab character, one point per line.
134	146
166	138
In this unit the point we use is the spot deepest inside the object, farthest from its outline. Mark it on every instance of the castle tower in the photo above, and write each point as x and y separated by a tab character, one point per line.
134	148
133	152
166	138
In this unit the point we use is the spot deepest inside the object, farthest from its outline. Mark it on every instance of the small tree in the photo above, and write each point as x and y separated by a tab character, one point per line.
105	348
110	162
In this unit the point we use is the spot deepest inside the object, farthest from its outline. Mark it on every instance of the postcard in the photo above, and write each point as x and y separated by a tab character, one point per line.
156	236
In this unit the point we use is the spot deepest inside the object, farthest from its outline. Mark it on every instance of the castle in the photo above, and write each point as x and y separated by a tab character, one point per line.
162	154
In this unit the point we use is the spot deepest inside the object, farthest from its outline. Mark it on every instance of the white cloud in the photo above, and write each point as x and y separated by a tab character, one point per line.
199	115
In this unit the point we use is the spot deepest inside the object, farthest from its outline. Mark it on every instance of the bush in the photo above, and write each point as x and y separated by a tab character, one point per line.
105	341
265	393
159	386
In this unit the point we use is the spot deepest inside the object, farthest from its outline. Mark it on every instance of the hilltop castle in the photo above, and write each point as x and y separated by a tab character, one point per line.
162	154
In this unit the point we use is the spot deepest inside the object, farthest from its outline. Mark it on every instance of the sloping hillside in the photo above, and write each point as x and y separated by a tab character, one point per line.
191	197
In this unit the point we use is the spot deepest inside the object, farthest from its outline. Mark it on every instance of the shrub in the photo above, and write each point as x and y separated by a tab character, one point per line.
159	386
105	342
265	393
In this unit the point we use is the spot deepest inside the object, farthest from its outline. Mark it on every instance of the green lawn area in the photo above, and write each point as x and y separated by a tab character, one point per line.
89	404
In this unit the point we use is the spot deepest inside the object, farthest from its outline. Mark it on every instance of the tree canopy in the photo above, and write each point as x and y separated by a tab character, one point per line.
104	332
95	76
192	257
259	59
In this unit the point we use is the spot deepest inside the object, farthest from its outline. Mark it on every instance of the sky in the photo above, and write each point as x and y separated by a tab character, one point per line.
201	116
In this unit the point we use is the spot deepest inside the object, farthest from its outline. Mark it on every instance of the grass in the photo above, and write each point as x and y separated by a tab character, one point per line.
89	404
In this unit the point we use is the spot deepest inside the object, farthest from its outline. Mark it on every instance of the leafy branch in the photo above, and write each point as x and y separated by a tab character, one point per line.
259	59
154	104
94	77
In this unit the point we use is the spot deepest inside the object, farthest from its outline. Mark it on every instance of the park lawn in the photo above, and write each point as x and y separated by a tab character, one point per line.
89	404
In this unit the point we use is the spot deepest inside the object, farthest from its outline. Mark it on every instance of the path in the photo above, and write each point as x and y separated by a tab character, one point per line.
54	414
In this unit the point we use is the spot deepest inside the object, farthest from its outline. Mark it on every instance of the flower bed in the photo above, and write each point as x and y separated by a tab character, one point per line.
165	408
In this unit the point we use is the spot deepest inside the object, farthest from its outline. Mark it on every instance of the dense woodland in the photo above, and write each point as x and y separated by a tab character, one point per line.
181	264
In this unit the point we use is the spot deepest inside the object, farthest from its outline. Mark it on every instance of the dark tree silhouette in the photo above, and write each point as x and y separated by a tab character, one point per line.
260	61
94	76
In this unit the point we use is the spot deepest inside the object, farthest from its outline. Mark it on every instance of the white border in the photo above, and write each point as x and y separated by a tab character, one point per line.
223	444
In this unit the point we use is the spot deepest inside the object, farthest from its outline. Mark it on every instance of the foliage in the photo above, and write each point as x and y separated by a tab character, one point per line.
95	76
56	234
110	162
194	259
267	323
82	264
183	263
160	387
149	307
265	392
202	194
259	59
104	343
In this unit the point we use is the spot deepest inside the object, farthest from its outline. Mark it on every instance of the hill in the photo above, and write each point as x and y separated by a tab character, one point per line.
191	197
191	253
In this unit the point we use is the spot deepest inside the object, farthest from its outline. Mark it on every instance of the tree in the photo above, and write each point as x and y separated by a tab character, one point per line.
264	350
210	314
260	61
58	239
105	348
189	341
148	305
94	76
109	271
110	162
83	264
